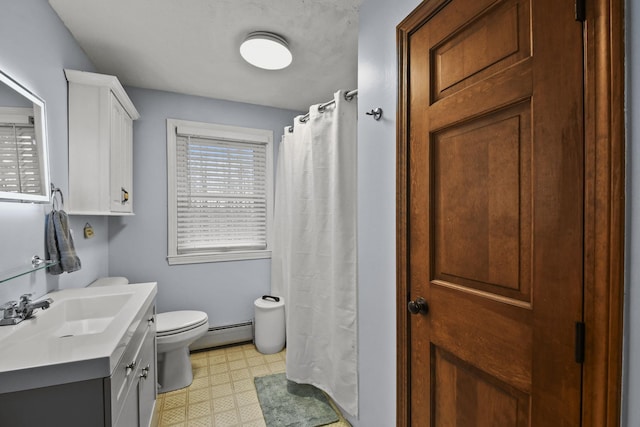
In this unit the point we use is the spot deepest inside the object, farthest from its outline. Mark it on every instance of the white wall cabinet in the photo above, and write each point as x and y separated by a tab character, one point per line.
101	119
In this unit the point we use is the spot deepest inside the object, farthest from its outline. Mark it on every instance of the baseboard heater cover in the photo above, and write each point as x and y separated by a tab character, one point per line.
218	336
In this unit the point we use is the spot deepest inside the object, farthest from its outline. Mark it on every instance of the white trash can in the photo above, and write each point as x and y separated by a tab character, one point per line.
269	324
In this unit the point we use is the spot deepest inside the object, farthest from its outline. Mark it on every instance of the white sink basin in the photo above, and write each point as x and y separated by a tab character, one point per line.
81	336
87	315
73	328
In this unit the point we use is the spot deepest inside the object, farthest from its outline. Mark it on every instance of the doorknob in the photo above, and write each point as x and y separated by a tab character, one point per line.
419	306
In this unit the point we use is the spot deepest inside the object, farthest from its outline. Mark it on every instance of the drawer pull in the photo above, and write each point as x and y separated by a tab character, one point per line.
151	320
130	367
145	372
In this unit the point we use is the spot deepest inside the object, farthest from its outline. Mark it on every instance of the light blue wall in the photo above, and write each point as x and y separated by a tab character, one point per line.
35	47
138	244
631	377
377	82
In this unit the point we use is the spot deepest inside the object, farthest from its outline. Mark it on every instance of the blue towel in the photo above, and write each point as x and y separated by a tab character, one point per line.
60	243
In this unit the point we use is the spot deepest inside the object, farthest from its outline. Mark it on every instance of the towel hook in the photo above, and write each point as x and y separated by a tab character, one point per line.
54	200
377	113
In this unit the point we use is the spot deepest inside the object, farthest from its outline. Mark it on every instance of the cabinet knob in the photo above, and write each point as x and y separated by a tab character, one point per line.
130	367
125	196
145	372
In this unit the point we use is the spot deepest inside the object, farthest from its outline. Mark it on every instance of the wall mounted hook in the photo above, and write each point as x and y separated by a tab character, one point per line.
377	113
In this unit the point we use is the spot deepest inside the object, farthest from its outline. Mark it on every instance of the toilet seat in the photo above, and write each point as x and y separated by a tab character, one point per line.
176	322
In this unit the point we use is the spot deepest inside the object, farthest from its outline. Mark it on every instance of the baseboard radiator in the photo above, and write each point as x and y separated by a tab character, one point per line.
218	336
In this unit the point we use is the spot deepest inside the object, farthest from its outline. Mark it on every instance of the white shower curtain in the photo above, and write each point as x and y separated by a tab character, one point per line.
314	255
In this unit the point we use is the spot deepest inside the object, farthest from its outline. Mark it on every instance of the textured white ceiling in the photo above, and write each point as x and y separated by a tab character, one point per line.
191	46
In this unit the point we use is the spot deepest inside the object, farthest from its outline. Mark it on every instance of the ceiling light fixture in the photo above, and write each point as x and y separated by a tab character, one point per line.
266	50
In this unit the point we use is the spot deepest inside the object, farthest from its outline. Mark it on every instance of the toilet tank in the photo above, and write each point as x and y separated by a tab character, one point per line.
109	281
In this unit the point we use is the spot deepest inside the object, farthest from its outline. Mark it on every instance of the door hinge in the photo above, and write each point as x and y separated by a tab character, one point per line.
581	10
580	338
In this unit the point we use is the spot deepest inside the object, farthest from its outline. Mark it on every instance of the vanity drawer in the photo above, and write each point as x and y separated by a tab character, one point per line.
128	368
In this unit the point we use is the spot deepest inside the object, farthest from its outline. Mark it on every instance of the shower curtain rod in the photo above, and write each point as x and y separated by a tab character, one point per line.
348	96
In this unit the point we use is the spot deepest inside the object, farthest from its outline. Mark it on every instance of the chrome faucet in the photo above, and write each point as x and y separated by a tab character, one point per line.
10	316
26	306
15	312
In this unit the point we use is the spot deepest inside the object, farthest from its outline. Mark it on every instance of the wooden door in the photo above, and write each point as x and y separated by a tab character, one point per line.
494	211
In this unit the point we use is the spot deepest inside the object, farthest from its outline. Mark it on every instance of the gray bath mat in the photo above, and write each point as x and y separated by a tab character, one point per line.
288	404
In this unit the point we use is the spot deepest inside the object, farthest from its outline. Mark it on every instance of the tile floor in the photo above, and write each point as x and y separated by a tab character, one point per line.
222	393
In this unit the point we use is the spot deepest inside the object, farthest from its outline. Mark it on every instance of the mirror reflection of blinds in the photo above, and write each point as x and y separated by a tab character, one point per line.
221	195
19	159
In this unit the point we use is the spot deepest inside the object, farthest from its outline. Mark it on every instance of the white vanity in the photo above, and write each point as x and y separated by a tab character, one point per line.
88	360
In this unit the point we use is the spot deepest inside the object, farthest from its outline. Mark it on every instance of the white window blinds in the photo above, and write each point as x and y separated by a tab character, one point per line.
221	194
19	159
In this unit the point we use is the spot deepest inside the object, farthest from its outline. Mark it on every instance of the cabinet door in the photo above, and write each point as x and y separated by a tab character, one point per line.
130	412
121	155
147	381
139	402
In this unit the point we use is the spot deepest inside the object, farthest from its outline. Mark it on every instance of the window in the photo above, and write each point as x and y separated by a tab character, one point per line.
220	185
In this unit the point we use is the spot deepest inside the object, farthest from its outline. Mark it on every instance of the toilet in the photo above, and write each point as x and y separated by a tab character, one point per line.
175	331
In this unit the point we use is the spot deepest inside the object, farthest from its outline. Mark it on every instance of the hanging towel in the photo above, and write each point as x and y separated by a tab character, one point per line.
60	243
52	246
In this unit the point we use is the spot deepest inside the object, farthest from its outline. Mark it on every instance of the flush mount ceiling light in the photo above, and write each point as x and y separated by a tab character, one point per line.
266	50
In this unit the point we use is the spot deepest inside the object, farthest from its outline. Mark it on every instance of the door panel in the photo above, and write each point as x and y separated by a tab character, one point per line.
490	41
493	336
495	212
466	396
482	203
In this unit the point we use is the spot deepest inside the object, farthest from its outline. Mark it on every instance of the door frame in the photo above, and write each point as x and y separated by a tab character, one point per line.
604	212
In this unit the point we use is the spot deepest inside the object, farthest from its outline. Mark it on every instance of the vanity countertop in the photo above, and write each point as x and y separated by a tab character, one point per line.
80	337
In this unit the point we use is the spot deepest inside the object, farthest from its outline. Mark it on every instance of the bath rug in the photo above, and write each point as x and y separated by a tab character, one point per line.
288	404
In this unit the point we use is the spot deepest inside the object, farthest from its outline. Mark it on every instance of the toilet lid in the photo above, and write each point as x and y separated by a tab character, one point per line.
178	321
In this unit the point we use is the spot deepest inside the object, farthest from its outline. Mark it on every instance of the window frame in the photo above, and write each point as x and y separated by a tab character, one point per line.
221	132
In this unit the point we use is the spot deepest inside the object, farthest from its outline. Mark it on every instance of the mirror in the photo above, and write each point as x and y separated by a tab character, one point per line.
24	164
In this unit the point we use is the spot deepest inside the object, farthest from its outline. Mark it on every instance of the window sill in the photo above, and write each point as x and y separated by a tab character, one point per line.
217	257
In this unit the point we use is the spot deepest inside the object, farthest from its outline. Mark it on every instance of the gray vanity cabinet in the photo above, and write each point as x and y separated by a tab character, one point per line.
125	399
